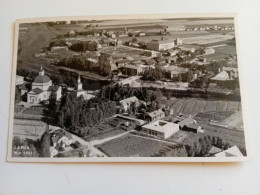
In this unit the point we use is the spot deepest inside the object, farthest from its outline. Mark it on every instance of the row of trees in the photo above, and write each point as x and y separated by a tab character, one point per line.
118	92
84	46
81	62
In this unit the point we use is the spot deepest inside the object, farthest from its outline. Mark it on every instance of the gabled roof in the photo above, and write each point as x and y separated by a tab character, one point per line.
193	126
230	152
186	121
214	150
155	113
222	76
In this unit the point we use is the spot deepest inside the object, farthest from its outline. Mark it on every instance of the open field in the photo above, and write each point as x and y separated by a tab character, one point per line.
193	106
131	145
206	39
29	129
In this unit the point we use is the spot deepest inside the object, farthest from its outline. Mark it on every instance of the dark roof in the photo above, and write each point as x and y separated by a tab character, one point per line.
37	90
53	88
41	79
193	126
186	121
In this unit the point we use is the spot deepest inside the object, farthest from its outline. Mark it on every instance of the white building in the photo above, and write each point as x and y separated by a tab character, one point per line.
159	45
19	80
81	92
42	88
160	129
126	103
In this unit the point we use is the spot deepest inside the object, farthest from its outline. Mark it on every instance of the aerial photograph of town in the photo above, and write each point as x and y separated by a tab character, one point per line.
165	87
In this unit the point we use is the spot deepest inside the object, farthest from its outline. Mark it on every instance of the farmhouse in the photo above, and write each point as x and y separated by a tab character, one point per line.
161	129
19	80
189	124
155	115
178	42
159	45
42	88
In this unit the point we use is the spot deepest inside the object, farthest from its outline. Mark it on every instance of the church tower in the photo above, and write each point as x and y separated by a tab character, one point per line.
79	86
41	72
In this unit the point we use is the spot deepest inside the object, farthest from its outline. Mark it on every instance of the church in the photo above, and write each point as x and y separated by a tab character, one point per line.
42	88
79	91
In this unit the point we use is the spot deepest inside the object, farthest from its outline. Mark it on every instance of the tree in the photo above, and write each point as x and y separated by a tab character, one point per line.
52	106
17	95
104	63
45	144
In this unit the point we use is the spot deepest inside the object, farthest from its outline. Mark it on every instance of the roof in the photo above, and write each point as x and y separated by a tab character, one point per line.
176	69
222	76
193	126
128	101
161	126
53	88
37	90
162	41
42	79
214	150
155	113
230	152
187	121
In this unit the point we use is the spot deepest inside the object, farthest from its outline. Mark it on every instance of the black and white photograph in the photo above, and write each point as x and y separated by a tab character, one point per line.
153	88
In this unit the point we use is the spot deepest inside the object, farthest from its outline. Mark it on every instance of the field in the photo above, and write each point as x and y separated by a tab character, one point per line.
132	145
206	39
28	129
193	106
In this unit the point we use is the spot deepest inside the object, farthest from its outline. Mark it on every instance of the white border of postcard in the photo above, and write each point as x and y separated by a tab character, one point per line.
122	159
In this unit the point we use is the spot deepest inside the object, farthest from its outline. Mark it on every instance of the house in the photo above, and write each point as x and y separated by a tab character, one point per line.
189	124
160	45
42	88
57	48
230	152
221	77
209	50
178	42
126	103
187	49
61	138
161	129
72	33
155	115
19	80
174	71
141	34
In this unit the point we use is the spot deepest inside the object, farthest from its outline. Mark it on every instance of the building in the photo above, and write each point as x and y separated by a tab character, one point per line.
209	50
230	152
42	88
72	33
126	103
160	45
175	71
178	42
161	129
221	77
57	48
81	92
189	124
19	80
155	115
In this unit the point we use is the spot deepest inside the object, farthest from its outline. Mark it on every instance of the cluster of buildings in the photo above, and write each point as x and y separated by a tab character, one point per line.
156	126
210	28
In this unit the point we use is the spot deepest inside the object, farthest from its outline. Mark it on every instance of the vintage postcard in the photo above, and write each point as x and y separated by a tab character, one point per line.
129	88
